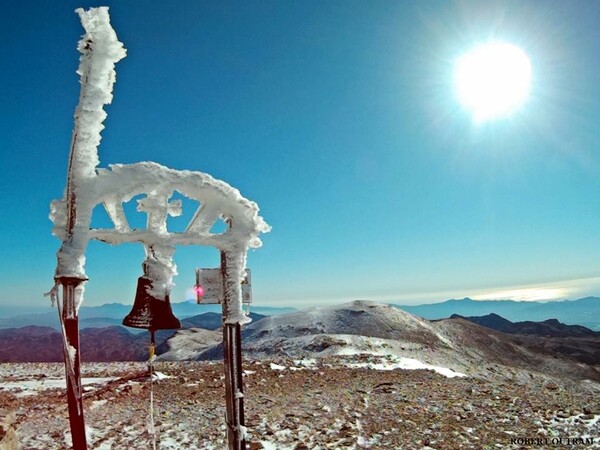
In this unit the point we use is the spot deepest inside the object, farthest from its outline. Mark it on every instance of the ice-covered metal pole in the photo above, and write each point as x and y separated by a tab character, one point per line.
232	361
100	51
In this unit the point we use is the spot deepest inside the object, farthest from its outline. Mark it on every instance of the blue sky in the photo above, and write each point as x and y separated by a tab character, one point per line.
340	120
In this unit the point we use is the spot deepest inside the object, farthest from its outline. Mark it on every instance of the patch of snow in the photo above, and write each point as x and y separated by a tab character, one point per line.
169	443
594	421
277	367
159	376
307	362
33	387
266	445
406	364
282	434
98	403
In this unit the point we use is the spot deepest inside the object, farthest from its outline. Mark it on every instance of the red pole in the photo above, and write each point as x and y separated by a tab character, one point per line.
232	359
70	325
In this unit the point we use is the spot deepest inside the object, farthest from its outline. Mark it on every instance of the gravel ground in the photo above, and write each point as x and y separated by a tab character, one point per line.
321	404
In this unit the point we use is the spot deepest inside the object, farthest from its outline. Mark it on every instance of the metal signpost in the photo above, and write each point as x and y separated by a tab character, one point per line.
211	289
210	282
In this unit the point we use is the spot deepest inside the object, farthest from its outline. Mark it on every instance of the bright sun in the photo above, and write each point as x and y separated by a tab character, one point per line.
492	80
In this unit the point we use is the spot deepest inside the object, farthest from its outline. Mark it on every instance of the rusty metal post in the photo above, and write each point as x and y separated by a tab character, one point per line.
70	325
232	359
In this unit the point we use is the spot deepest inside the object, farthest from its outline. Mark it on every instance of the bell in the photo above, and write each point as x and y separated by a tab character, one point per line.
149	312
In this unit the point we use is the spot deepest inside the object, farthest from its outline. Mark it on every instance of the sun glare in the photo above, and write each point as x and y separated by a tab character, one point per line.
492	80
523	295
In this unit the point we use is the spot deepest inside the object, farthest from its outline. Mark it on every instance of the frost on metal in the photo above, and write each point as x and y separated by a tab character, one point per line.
72	354
89	186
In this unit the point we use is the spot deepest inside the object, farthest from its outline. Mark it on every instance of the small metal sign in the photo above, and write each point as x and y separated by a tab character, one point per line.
209	286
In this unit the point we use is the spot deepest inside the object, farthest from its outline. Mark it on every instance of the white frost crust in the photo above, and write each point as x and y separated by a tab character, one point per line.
120	183
100	51
72	354
235	267
160	268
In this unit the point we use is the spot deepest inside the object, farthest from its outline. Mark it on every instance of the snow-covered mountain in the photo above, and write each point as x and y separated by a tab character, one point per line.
361	318
368	328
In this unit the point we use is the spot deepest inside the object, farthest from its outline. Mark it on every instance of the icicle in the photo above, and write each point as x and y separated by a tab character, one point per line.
53	294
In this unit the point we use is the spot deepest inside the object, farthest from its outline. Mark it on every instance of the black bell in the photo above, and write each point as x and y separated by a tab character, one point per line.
149	312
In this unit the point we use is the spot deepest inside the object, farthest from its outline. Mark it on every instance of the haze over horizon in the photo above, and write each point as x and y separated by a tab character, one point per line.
9	310
342	122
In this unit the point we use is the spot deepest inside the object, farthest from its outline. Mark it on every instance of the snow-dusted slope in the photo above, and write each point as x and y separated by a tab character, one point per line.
361	318
188	344
355	328
382	332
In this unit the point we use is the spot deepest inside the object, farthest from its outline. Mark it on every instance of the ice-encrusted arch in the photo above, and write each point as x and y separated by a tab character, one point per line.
120	183
89	186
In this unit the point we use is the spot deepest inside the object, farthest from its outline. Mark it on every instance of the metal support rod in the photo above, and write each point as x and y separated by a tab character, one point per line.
152	351
70	324
234	390
232	359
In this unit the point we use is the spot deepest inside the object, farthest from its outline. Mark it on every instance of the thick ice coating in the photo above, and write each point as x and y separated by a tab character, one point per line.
88	186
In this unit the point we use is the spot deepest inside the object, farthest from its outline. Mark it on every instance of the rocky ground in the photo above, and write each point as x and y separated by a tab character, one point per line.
307	404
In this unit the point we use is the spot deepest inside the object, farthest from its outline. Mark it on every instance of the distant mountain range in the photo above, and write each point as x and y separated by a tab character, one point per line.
547	328
112	314
113	343
44	344
573	341
584	311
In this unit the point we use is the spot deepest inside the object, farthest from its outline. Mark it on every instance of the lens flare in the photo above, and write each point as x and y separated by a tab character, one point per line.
199	291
